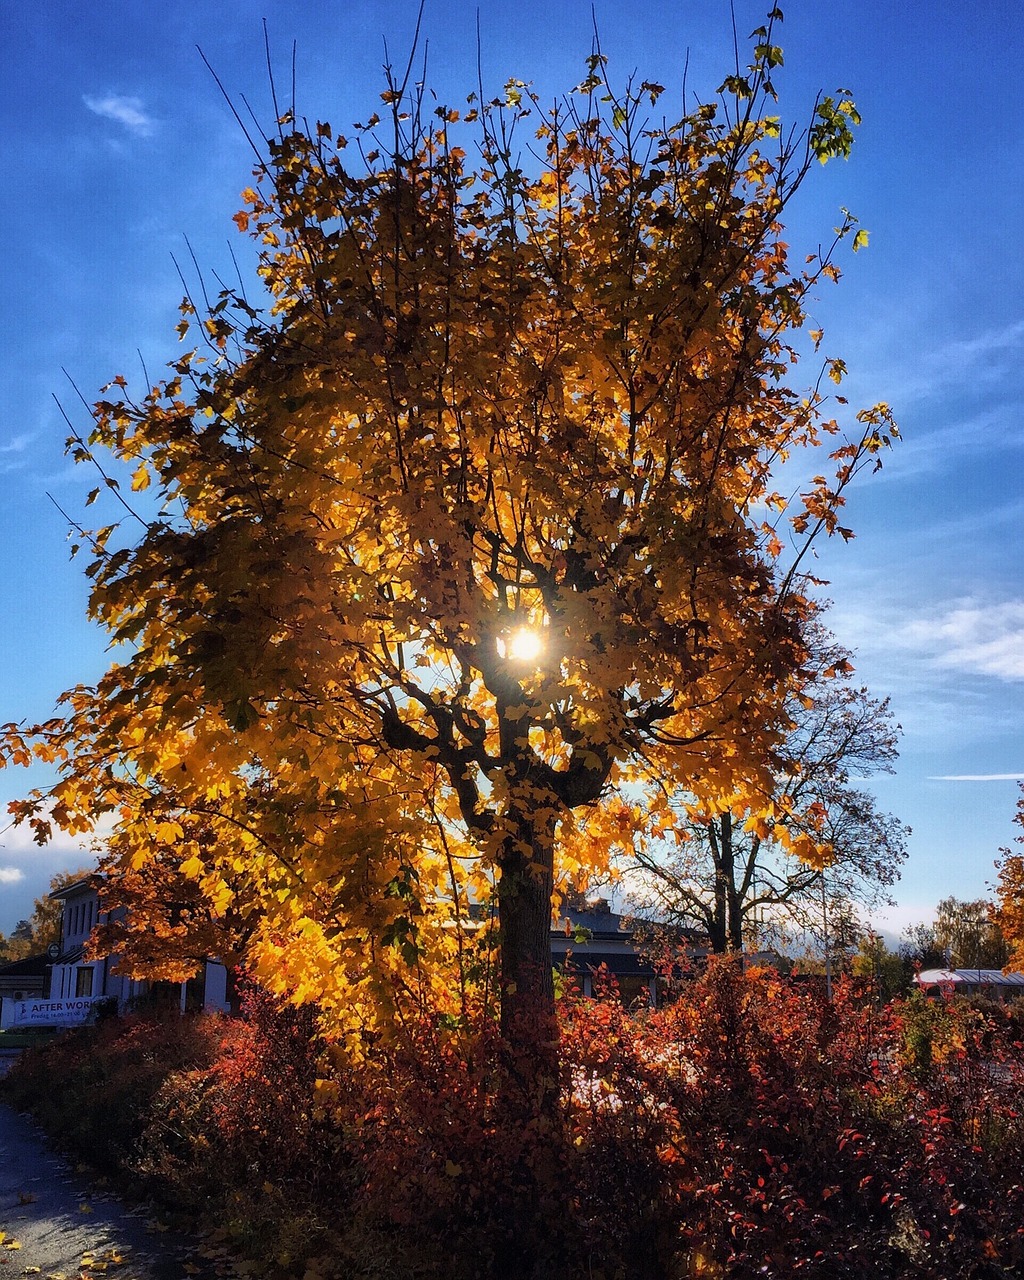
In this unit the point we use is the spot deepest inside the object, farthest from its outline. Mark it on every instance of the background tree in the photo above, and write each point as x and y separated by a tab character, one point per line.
463	532
883	970
731	874
920	949
31	937
46	913
19	945
160	923
968	934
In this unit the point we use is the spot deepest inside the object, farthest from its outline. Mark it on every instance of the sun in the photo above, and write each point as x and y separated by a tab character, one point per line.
521	645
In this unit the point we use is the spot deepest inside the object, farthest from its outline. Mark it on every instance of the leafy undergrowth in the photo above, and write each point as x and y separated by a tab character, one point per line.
748	1129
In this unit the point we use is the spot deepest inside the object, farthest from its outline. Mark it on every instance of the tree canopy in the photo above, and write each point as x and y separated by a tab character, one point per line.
465	522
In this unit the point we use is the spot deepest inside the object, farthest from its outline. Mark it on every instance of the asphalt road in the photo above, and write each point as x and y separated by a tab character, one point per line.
55	1224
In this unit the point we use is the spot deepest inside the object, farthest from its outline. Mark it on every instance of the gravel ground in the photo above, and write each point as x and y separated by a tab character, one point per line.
55	1224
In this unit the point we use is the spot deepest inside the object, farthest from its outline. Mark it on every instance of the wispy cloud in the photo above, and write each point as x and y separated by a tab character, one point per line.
11	875
128	112
17	444
921	370
955	661
967	352
970	636
13	455
977	777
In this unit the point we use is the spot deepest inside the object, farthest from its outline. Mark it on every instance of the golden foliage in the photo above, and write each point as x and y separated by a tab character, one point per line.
476	402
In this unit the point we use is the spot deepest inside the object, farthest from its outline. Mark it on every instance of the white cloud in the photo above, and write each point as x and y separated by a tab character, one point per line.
11	875
977	777
124	111
953	662
971	636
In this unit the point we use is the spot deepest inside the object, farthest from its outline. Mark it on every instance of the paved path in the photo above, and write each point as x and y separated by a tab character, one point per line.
54	1223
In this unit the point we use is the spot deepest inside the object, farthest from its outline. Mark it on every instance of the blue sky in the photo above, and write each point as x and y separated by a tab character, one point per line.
116	144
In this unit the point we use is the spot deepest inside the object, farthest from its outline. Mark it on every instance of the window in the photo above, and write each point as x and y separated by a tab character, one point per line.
83	980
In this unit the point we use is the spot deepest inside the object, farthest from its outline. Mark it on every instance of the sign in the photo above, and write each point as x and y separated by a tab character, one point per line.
53	951
48	1013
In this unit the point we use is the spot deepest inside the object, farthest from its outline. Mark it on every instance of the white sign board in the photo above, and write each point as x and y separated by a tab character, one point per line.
47	1013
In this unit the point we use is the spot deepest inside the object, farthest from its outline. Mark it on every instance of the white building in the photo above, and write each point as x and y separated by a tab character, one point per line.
74	977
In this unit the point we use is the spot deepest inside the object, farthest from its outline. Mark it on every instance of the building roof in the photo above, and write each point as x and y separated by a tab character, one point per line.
30	967
600	922
973	977
92	881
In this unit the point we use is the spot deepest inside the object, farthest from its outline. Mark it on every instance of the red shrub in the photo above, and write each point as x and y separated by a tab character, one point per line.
751	1128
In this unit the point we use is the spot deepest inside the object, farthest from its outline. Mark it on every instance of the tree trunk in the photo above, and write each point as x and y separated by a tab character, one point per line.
525	887
726	929
529	1099
735	898
717	924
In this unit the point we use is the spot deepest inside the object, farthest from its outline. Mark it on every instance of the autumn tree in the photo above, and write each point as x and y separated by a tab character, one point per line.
463	524
19	945
1009	911
31	937
161	923
730	873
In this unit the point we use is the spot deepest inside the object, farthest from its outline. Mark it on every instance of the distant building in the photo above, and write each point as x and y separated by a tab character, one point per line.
990	984
72	985
590	937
